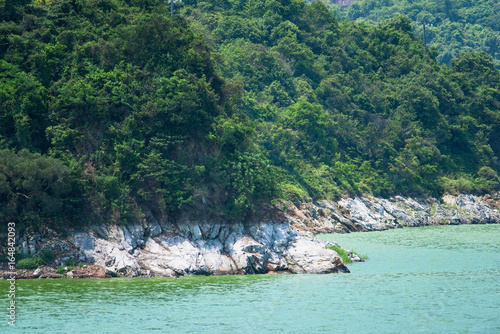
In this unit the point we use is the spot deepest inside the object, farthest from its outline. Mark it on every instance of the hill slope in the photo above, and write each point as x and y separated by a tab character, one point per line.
348	107
112	110
453	27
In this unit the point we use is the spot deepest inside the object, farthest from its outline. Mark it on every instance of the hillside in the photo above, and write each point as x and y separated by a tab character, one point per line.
343	106
113	110
110	109
453	26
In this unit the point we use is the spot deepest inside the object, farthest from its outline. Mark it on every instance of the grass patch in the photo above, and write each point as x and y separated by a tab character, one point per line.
344	255
362	256
33	262
63	270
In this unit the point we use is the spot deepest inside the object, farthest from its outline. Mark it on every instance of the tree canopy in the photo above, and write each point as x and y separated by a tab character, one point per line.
452	26
229	105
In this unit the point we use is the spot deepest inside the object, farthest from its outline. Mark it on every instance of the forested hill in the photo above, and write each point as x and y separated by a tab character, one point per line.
112	110
452	26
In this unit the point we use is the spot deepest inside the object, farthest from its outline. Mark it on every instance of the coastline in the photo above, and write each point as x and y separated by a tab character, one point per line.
364	214
208	247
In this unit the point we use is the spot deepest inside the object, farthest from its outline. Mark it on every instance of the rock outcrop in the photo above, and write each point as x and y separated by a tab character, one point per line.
377	214
193	248
221	248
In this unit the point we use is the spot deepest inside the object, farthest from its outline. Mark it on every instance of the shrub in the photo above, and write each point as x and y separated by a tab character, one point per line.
60	270
36	188
29	263
70	262
47	256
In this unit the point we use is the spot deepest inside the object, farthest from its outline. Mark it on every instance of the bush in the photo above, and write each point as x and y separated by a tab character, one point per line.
293	192
47	256
35	188
29	263
70	262
60	270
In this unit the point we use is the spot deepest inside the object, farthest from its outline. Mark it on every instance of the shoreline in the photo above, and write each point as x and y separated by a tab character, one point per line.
90	271
211	247
363	214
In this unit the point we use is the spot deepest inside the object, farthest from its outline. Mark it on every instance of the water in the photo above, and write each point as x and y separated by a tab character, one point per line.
417	280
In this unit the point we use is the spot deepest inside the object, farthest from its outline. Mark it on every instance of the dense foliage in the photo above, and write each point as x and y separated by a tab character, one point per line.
123	109
349	107
452	26
228	105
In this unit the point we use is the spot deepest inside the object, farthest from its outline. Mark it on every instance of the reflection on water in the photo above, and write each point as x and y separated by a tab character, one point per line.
438	279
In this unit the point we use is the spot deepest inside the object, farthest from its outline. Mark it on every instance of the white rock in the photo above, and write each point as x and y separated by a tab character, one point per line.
37	272
307	256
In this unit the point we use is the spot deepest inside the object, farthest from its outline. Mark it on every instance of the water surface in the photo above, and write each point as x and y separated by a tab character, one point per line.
417	280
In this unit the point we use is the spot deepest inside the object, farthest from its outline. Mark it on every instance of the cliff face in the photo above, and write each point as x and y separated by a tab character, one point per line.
194	248
207	248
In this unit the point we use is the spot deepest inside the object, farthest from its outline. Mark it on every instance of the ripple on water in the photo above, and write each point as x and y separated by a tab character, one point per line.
419	280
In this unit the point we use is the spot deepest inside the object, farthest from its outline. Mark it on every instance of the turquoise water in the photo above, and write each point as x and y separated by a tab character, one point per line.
418	280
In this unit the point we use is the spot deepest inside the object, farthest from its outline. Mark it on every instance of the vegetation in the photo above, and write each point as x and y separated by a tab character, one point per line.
452	26
109	107
47	256
35	189
112	108
70	262
344	255
344	107
29	263
33	262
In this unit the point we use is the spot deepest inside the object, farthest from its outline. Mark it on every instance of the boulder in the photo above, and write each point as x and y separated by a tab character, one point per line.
311	257
37	272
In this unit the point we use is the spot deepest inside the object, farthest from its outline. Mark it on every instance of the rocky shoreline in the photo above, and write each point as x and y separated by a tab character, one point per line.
283	245
363	214
182	249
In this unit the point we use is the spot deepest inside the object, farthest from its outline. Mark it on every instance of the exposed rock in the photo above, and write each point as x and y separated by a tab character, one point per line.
311	257
206	248
375	214
209	247
24	246
110	272
371	218
37	272
90	271
355	258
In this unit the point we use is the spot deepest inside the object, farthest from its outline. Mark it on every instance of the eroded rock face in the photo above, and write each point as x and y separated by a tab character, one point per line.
377	214
221	248
206	248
